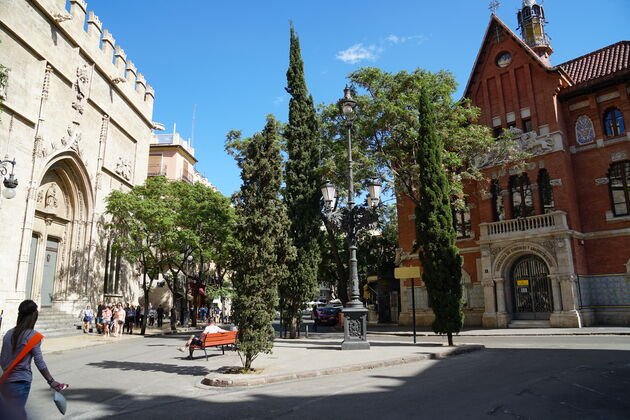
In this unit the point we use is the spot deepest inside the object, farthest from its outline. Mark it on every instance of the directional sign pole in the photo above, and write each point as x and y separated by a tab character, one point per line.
413	309
410	273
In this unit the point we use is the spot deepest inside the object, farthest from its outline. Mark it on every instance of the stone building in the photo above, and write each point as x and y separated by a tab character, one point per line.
77	118
547	244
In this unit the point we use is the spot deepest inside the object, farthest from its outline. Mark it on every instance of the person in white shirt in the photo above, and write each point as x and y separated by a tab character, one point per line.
194	340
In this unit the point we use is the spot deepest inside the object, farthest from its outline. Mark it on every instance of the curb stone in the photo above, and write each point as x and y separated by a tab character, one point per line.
219	380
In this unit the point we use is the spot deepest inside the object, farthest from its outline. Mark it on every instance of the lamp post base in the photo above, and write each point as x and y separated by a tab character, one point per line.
355	329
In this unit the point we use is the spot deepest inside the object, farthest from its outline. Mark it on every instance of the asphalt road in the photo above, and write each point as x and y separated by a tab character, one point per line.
562	377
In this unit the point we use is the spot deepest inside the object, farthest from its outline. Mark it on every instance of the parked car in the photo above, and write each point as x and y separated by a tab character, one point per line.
328	315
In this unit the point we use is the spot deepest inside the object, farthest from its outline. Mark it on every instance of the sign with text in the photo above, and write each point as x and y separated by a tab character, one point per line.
407	272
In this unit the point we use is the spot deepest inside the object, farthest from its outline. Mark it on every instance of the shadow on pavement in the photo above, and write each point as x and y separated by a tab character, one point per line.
494	384
151	367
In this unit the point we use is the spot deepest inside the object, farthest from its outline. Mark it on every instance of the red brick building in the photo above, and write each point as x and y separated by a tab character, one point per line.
548	244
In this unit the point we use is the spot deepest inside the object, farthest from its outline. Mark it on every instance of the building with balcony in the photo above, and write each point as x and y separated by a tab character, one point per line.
546	244
174	158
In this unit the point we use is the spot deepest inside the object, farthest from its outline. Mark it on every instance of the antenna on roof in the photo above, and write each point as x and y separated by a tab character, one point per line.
192	140
494	5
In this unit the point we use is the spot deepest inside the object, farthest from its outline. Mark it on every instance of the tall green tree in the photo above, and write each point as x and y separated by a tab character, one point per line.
302	192
140	221
260	264
440	257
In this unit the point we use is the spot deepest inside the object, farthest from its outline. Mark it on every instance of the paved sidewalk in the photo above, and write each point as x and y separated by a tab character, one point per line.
406	331
80	341
312	357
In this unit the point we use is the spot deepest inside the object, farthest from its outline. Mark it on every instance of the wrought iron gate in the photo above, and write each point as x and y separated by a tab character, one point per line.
531	288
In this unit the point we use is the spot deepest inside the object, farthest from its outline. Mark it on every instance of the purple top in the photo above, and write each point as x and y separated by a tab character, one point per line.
22	371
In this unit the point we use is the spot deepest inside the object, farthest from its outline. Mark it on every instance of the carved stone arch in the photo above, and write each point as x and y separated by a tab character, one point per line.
63	214
502	264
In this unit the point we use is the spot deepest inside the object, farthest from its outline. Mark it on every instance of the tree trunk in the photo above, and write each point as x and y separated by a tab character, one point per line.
145	289
450	339
293	331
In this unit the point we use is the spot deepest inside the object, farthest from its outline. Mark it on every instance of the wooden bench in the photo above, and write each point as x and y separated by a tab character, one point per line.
214	340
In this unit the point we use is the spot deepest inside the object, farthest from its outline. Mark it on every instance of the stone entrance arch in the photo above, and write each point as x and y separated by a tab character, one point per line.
59	255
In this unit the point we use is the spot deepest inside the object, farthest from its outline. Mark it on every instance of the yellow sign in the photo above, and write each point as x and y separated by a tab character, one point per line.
407	272
370	279
522	282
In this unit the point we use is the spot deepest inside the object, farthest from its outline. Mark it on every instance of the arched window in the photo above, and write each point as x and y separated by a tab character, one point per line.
498	212
546	192
619	183
584	130
613	123
522	204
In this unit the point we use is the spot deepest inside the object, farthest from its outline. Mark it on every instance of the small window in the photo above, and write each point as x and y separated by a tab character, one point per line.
546	192
619	183
498	212
522	203
613	123
527	125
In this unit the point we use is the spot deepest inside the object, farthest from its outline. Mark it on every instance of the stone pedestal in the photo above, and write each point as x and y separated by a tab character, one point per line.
566	319
355	329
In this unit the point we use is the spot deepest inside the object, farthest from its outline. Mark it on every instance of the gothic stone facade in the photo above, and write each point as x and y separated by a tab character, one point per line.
550	242
77	119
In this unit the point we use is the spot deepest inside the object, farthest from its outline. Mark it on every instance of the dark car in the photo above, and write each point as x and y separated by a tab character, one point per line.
327	316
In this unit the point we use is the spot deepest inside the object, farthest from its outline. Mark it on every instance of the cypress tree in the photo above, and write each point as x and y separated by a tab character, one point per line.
302	193
260	263
440	257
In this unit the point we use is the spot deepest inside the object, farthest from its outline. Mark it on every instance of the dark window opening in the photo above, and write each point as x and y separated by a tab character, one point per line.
546	192
521	201
498	211
496	131
527	126
619	183
461	222
614	124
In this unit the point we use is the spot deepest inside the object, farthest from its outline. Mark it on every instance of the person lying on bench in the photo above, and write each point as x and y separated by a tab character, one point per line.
194	340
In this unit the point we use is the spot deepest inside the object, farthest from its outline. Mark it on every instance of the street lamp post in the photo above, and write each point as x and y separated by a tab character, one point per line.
352	219
11	182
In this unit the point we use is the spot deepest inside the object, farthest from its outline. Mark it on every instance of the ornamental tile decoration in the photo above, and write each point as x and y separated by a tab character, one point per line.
604	291
584	130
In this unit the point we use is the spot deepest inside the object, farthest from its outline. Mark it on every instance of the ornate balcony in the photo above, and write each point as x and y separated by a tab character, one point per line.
545	223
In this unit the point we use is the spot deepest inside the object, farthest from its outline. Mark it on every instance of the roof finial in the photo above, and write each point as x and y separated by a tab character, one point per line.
494	5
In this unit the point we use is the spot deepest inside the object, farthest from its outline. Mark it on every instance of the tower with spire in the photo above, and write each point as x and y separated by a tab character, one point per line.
531	22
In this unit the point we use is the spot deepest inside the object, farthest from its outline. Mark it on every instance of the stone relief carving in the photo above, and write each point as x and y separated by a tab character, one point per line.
536	145
123	168
354	328
494	251
72	138
602	181
619	156
50	202
81	86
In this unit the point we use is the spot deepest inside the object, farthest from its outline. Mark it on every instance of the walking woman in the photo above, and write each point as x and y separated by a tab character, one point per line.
86	316
19	347
119	316
130	317
107	319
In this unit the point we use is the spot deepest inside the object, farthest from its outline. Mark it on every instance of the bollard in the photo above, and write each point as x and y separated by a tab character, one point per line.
305	330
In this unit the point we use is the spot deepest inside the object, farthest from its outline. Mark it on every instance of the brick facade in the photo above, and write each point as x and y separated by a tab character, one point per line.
579	239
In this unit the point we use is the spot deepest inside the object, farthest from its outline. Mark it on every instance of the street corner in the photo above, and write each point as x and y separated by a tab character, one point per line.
224	377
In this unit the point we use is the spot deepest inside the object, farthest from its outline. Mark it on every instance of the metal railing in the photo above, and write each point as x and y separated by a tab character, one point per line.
553	221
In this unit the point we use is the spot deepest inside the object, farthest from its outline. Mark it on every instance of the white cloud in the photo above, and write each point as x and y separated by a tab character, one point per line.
395	39
359	52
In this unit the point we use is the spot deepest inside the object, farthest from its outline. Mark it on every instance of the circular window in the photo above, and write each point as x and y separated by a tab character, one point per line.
504	59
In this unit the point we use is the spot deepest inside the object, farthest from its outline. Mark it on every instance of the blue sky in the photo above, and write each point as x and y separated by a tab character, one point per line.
230	57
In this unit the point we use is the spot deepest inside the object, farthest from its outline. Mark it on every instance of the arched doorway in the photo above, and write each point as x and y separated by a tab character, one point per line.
531	288
58	259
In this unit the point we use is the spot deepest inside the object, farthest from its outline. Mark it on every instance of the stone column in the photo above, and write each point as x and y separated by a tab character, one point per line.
570	316
502	317
555	290
489	318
